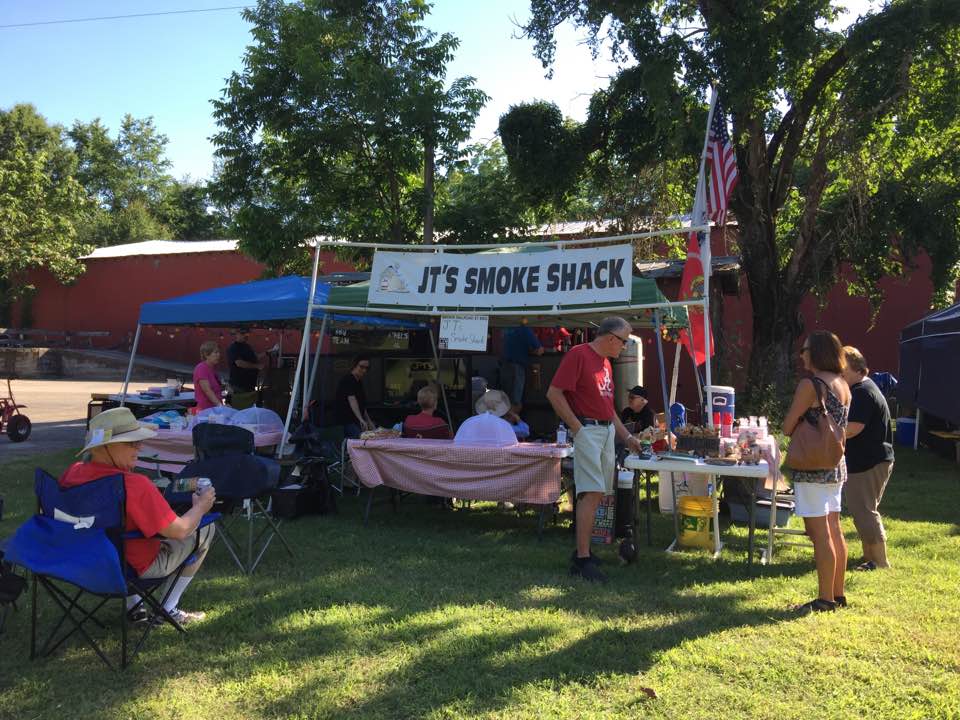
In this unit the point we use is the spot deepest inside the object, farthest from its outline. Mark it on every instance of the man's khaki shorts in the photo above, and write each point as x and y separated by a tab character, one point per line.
594	459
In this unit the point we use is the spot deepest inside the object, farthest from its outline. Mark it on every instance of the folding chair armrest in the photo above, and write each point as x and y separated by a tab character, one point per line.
204	521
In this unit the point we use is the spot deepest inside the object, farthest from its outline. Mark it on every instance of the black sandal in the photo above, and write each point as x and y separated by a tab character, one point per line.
840	600
868	565
817	605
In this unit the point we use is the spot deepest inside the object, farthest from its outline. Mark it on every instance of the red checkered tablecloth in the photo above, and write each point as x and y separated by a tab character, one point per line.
525	473
170	450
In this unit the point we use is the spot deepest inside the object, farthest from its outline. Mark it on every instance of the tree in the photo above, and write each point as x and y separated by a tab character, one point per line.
481	201
846	142
41	202
335	122
126	178
188	210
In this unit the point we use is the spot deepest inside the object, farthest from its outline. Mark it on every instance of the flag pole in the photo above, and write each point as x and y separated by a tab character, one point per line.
707	267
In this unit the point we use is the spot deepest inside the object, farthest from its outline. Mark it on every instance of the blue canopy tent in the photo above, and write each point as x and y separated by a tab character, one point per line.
929	349
277	300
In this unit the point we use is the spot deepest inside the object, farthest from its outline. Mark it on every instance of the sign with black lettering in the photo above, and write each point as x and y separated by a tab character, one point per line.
464	332
491	280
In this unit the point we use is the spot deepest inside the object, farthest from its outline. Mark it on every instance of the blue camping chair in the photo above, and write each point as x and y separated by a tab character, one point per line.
244	483
73	548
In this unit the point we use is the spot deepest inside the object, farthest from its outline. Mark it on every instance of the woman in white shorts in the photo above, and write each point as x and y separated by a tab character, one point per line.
818	491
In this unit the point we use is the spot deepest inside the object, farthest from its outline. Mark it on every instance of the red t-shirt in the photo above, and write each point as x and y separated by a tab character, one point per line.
422	421
586	379
147	511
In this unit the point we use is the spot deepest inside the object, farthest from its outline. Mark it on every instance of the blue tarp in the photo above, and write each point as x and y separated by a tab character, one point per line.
274	300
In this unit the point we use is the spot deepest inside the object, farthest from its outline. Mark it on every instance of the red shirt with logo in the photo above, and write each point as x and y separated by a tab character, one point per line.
147	511
586	379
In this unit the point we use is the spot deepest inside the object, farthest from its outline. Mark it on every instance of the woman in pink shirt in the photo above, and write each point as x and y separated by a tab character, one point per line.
206	385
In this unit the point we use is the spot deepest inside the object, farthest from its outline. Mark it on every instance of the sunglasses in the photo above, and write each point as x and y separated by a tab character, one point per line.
622	340
363	367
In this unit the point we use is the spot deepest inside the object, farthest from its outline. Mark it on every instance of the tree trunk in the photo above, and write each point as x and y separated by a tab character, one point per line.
772	371
428	166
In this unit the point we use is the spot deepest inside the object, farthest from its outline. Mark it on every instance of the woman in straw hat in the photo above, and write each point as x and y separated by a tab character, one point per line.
113	442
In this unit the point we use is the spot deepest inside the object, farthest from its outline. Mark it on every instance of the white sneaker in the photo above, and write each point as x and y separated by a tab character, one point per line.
185	617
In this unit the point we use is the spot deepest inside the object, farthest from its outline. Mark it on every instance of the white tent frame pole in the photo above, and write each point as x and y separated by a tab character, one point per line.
663	379
300	358
676	373
316	361
435	311
534	243
133	355
701	178
443	389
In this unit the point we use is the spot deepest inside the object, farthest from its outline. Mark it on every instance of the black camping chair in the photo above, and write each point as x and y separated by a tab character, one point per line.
74	549
318	443
243	481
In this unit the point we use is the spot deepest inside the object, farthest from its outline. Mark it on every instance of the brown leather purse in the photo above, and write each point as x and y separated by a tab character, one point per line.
818	446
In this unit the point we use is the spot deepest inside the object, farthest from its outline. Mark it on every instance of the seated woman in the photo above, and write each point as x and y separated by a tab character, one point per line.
488	427
113	441
426	420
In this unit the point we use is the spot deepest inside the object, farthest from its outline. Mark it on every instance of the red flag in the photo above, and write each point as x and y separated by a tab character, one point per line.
691	282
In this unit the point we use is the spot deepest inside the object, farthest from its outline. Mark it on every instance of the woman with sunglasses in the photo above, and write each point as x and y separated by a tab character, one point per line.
818	491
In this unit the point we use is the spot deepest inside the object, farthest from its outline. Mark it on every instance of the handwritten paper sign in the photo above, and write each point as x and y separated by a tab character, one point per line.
464	332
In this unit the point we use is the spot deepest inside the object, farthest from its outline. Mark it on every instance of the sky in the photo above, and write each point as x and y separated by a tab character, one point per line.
170	67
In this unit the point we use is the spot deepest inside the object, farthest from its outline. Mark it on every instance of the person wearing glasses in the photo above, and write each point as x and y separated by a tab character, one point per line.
818	491
351	400
581	393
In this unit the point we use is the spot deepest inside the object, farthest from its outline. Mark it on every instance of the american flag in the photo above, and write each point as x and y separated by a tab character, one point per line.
723	167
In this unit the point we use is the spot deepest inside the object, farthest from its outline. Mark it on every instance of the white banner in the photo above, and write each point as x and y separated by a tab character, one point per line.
464	332
490	280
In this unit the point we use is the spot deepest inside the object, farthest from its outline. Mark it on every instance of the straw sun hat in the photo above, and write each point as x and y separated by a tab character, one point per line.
117	425
493	401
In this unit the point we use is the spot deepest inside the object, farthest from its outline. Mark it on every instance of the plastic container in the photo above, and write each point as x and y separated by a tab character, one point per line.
724	398
906	429
696	521
739	513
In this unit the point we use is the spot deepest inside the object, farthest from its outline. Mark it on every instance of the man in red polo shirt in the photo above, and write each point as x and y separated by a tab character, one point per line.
581	393
113	441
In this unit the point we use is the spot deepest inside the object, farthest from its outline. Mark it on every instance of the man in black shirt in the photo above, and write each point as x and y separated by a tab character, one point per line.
245	367
869	457
351	400
638	410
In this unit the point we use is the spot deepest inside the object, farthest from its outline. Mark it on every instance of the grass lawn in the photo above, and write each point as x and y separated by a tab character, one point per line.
436	614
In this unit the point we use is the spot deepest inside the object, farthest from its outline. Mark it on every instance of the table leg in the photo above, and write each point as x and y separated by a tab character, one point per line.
649	504
753	523
676	513
366	512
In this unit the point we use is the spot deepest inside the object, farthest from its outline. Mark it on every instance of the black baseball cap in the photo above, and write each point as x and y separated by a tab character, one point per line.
638	391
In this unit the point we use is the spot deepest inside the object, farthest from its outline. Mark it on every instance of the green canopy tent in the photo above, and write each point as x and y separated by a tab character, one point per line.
647	308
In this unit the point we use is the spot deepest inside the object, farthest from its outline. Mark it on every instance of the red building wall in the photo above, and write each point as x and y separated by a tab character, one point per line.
108	296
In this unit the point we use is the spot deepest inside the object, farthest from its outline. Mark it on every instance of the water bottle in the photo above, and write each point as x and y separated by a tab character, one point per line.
203	484
562	434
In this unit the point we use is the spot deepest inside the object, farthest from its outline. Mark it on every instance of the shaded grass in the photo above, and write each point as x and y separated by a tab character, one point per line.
435	614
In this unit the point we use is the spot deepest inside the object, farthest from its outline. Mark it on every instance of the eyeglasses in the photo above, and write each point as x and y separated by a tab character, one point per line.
622	340
363	367
805	348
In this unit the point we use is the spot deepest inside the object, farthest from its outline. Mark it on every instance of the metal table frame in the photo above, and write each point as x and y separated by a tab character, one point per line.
758	473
